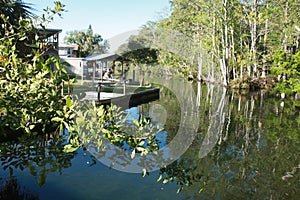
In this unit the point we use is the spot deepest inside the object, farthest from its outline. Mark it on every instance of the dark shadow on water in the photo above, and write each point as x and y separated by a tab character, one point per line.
11	190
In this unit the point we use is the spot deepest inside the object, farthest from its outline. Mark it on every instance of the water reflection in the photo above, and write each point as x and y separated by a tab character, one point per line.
39	155
178	140
245	147
243	150
216	116
10	189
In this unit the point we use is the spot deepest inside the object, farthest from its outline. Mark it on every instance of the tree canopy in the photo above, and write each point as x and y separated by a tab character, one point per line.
89	43
14	10
137	51
230	42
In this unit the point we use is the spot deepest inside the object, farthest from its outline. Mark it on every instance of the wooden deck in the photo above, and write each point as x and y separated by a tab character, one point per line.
124	100
93	96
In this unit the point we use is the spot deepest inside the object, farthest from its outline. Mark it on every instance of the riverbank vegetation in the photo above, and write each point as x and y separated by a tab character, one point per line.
30	80
242	44
32	100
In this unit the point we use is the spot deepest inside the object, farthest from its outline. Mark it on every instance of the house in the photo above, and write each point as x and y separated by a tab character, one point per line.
69	53
68	50
50	40
75	65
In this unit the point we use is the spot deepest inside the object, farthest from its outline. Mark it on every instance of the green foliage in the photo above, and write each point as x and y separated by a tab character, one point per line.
89	43
236	38
137	50
14	10
95	125
30	88
32	101
257	148
287	68
177	62
182	171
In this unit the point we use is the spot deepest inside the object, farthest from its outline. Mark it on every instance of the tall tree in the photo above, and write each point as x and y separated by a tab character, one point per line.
14	10
89	43
226	41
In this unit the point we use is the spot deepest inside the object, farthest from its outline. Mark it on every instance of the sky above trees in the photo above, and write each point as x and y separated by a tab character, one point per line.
108	18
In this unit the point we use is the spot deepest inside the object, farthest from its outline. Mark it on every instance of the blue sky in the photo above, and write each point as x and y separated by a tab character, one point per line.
107	17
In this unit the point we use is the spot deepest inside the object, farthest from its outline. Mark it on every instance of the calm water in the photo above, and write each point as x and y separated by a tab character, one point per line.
241	147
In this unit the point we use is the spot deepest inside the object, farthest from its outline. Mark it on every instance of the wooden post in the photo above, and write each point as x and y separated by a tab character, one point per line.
101	72
121	77
94	72
124	83
133	75
99	90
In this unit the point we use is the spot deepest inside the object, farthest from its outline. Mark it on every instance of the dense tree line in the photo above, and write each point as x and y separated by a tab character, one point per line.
231	42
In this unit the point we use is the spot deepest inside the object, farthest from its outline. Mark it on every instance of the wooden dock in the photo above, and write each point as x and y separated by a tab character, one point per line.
123	100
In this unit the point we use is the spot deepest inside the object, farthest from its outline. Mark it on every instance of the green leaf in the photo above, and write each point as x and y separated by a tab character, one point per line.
165	181
179	189
22	38
201	190
61	127
135	121
144	172
69	102
69	148
31	126
132	154
140	149
56	119
159	178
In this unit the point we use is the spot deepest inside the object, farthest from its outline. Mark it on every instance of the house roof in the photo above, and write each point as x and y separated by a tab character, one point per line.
49	32
65	46
100	57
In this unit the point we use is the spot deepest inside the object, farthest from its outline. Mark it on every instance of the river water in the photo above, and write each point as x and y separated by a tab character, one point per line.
218	145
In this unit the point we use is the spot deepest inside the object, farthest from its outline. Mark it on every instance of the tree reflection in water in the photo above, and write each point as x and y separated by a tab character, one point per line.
12	190
246	147
40	155
252	149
